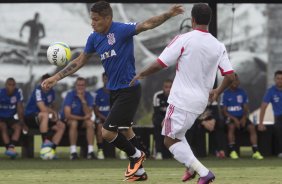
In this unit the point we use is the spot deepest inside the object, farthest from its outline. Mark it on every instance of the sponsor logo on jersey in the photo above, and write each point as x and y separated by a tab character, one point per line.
234	108
108	54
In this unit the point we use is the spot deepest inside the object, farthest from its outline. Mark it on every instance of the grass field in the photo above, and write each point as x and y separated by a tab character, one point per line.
64	171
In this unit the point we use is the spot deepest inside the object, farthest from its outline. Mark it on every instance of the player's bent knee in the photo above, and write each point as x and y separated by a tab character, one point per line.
61	125
108	135
169	141
89	124
43	115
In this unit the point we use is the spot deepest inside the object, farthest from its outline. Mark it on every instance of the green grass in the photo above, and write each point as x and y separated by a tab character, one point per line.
63	171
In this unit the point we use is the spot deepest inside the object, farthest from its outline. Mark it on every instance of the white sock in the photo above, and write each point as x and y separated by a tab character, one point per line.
137	154
73	148
90	148
190	169
183	154
199	168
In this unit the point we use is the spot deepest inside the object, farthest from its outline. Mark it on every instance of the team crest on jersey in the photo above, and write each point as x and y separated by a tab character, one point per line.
239	99
111	38
13	99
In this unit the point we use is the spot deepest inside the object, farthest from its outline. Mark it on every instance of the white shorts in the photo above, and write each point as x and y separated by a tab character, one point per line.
177	122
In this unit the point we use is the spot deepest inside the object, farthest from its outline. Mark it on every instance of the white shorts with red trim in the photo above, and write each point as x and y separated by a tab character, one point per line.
177	122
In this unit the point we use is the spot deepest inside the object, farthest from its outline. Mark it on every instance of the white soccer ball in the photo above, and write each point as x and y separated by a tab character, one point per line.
59	54
47	153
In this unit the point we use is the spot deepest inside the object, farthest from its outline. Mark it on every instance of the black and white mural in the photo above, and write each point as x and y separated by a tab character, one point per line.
249	32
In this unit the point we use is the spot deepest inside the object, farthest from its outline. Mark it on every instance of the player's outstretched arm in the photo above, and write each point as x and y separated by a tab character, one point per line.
155	21
71	68
153	68
227	80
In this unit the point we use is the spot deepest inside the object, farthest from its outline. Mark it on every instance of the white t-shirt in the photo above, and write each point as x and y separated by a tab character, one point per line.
197	55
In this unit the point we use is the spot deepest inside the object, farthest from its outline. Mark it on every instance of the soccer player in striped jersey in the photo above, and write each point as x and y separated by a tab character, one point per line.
197	55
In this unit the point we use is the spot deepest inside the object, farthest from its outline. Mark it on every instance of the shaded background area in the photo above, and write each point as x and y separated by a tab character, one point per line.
249	32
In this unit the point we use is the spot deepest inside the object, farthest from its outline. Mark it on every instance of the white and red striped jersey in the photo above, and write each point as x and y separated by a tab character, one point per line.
197	55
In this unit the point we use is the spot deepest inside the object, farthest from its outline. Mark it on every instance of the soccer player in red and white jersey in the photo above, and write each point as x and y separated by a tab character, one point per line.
197	55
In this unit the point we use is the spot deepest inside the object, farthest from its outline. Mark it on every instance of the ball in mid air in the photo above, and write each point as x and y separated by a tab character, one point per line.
59	54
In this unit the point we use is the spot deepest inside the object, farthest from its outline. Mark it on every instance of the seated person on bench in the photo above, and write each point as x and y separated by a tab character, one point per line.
38	109
235	110
11	103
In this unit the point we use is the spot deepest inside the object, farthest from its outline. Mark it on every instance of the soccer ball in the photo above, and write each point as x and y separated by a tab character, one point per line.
59	54
47	153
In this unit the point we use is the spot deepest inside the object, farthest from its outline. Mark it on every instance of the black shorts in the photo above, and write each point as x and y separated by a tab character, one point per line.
248	122
9	121
124	103
32	121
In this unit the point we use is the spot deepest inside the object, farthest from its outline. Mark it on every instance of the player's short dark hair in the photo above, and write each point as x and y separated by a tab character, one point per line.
278	72
10	79
103	8
168	81
202	13
45	76
80	79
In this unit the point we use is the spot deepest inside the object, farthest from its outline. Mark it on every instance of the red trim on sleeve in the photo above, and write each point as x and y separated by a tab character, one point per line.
161	63
228	72
182	50
223	72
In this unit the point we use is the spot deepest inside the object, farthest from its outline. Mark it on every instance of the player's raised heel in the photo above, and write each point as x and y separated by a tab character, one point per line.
207	179
134	165
188	176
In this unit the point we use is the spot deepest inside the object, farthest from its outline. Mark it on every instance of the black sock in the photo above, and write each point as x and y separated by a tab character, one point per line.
54	146
45	136
255	148
137	144
14	142
232	147
7	145
100	145
123	144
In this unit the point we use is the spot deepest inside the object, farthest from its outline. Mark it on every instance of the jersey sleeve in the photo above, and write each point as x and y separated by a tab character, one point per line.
89	47
267	96
20	95
224	63
171	53
223	101
129	29
156	100
68	100
38	95
90	100
245	97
